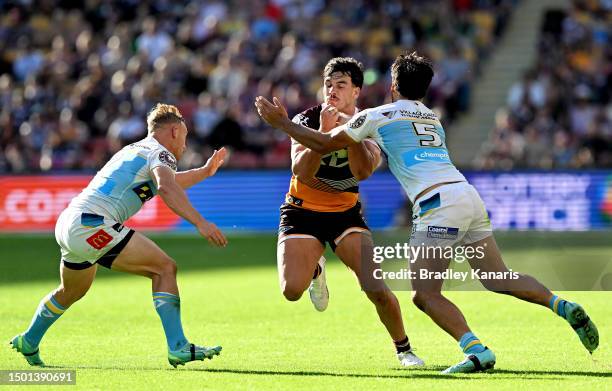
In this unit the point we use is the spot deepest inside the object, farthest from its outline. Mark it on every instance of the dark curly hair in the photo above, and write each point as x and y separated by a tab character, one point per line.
348	66
411	75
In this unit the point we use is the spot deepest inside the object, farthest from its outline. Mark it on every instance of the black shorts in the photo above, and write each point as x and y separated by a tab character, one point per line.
328	227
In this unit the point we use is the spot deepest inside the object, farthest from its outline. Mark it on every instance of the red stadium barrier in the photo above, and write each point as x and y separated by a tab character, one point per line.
33	203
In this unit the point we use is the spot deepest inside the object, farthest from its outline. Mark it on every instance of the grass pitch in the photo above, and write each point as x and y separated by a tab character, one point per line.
114	340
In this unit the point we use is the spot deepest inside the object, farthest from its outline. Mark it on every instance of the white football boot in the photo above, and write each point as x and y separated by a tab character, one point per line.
319	295
409	359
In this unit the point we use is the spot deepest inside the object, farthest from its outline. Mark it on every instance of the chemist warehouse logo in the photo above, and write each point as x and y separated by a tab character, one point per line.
426	155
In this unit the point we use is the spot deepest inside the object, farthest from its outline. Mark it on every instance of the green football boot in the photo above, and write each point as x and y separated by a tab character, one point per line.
191	352
31	354
582	325
475	362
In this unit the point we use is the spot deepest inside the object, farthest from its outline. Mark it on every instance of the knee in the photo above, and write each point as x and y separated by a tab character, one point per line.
421	298
498	286
168	267
291	292
68	295
378	298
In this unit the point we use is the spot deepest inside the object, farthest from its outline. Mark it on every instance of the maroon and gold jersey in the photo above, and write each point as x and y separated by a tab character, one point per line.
333	188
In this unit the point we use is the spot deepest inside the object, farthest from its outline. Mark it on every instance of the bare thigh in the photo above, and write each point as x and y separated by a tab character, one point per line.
297	259
356	252
142	256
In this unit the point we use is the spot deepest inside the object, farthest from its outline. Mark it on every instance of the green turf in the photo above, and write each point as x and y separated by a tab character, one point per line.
230	296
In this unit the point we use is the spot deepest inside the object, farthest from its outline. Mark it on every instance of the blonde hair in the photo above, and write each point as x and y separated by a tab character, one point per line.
162	114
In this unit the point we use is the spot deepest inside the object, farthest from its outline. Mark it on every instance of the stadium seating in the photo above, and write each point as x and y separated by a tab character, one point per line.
558	116
77	77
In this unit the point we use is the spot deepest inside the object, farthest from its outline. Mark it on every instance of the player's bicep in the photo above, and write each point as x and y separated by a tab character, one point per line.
374	149
163	176
296	149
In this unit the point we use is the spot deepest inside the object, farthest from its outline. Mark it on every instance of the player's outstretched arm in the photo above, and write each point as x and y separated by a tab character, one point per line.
186	179
176	199
276	116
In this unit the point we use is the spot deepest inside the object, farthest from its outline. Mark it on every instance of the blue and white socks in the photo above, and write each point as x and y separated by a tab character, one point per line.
168	306
48	311
557	305
470	344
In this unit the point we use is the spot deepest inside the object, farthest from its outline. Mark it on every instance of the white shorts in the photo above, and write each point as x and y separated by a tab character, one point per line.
87	238
449	215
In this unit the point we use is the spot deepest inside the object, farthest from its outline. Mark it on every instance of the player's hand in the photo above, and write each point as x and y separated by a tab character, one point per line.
274	114
215	161
328	119
212	233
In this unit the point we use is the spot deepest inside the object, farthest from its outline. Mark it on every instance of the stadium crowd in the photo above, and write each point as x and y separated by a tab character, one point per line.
77	77
560	114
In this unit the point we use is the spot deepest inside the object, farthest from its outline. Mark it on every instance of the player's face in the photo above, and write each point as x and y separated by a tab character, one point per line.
180	140
340	91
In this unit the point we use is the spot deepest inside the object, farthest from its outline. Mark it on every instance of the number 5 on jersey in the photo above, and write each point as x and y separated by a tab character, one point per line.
431	137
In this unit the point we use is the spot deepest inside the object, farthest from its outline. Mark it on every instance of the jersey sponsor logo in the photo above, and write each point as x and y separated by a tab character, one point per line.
166	158
419	115
423	156
140	145
99	240
420	155
294	200
337	159
144	191
389	114
284	228
434	231
357	122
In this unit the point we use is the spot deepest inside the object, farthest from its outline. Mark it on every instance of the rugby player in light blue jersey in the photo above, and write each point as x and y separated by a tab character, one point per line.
91	232
447	210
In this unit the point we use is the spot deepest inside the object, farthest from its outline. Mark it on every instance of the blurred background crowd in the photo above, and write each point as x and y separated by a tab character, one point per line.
78	77
560	115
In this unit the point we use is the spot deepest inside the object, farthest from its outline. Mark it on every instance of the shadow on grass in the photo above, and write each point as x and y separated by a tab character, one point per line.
405	373
560	373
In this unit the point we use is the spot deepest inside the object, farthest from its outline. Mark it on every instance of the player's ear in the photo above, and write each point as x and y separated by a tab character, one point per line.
356	92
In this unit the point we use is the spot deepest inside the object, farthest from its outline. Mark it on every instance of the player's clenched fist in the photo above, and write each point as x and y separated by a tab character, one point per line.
329	117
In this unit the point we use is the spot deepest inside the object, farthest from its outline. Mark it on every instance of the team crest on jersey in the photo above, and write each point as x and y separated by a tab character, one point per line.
167	159
301	119
358	122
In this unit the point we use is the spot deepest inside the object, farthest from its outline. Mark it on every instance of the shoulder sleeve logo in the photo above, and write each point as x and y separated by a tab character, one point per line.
354	124
167	159
301	119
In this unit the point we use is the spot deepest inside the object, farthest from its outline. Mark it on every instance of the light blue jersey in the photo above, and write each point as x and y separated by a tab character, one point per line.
411	136
126	182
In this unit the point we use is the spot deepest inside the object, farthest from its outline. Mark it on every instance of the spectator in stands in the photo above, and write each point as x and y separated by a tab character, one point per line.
107	56
564	101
